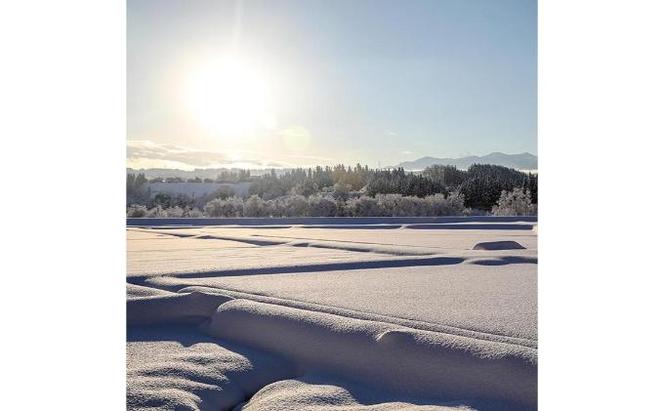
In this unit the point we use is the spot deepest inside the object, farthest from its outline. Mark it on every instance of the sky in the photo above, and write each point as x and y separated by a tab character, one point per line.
284	83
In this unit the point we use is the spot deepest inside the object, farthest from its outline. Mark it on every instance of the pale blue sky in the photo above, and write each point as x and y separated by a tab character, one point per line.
353	80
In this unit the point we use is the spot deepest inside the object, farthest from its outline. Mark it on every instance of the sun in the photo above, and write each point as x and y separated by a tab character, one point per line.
230	96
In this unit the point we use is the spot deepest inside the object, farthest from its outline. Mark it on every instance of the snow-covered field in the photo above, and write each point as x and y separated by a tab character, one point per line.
293	317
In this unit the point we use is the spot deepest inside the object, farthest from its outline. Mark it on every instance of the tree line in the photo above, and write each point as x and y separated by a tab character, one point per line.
480	187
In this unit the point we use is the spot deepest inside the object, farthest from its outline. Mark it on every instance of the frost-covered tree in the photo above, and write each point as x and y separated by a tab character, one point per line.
341	191
305	188
194	213
362	206
445	175
231	207
255	206
439	205
214	208
174	212
321	206
515	202
156	212
292	206
136	210
224	192
396	205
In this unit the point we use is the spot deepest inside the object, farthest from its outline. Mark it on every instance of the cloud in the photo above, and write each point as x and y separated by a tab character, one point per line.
144	149
148	154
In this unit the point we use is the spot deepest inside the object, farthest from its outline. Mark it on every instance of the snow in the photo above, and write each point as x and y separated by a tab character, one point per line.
319	392
181	368
415	317
491	299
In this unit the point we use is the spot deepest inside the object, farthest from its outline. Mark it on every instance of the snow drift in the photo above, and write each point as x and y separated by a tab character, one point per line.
412	362
317	319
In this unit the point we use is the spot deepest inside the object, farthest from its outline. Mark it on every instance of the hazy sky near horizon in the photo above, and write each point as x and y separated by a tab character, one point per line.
297	83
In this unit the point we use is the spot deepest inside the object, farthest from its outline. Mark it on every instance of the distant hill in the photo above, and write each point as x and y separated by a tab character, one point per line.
172	172
523	161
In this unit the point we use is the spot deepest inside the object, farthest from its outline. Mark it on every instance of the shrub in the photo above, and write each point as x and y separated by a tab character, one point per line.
515	202
194	213
396	205
214	208
439	205
362	206
231	207
255	206
341	191
136	210
291	206
320	206
156	212
174	212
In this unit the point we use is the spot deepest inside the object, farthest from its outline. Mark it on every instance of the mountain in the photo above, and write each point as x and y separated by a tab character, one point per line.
523	161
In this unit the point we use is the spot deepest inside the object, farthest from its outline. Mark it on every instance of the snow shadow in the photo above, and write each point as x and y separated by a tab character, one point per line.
176	367
308	268
475	226
505	260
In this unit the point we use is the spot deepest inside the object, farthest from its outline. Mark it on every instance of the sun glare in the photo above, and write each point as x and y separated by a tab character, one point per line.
230	96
